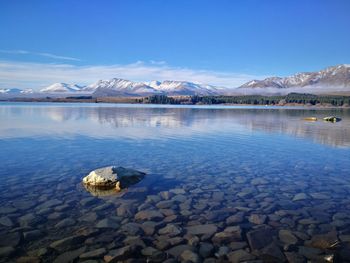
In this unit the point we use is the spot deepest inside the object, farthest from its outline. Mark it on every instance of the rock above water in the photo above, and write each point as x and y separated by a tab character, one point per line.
109	176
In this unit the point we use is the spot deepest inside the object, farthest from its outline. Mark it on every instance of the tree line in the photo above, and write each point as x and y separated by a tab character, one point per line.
295	98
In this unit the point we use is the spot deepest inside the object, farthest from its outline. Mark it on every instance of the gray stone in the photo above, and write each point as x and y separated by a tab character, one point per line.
165	204
132	229
287	237
149	215
177	250
259	238
170	230
6	251
10	239
240	256
189	256
300	197
324	241
293	257
206	229
65	223
66	243
108	223
32	235
257	219
97	253
206	249
236	218
6	221
69	256
119	254
272	252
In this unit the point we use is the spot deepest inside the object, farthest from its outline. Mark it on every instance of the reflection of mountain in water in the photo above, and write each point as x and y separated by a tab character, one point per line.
150	123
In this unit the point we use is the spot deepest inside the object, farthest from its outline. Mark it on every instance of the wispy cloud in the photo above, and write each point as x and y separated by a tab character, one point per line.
38	75
41	54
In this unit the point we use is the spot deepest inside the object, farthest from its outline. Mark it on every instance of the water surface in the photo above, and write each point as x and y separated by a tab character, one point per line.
252	168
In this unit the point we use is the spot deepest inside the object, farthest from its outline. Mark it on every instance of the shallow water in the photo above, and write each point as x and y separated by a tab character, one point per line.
263	170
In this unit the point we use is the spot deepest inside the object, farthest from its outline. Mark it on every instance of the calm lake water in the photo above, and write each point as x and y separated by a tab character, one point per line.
223	184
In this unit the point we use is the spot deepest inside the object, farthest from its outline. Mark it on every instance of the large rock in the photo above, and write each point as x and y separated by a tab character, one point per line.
112	176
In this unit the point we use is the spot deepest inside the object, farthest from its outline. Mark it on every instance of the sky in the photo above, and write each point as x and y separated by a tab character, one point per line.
223	42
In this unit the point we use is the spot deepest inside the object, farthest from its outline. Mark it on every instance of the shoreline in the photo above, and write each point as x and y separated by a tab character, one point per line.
135	101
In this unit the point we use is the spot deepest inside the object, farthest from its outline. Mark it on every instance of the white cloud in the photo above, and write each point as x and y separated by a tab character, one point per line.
38	75
42	54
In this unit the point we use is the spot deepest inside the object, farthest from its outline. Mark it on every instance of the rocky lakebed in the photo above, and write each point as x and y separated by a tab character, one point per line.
223	219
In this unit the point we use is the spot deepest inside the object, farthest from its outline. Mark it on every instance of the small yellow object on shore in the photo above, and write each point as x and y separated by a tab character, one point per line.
310	119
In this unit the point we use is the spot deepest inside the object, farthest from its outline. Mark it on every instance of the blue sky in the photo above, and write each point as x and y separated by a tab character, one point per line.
218	42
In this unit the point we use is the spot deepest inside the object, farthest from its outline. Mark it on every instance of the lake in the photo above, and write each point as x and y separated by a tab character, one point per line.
222	184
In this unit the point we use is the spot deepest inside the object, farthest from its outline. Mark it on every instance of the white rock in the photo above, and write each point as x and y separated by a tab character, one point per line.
112	176
106	176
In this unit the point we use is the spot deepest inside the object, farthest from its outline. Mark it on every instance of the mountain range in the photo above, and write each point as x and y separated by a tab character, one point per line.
334	79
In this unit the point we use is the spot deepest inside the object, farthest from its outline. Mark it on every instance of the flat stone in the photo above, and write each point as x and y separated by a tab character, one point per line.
132	229
97	253
149	251
309	252
230	234
293	257
149	215
287	237
206	249
165	204
320	196
272	252
324	241
6	221
177	250
300	197
66	243
236	218
257	219
49	204
170	230
69	256
189	256
65	223
6	251
108	223
10	239
32	235
240	256
27	259
177	191
259	238
206	229
119	254
8	210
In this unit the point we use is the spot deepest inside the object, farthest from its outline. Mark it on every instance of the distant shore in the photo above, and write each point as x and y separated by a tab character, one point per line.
292	99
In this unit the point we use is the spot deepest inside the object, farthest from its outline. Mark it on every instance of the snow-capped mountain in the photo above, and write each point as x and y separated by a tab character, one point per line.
16	91
183	88
62	88
119	87
331	79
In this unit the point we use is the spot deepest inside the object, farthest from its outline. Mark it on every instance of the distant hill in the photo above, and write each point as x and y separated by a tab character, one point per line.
334	79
